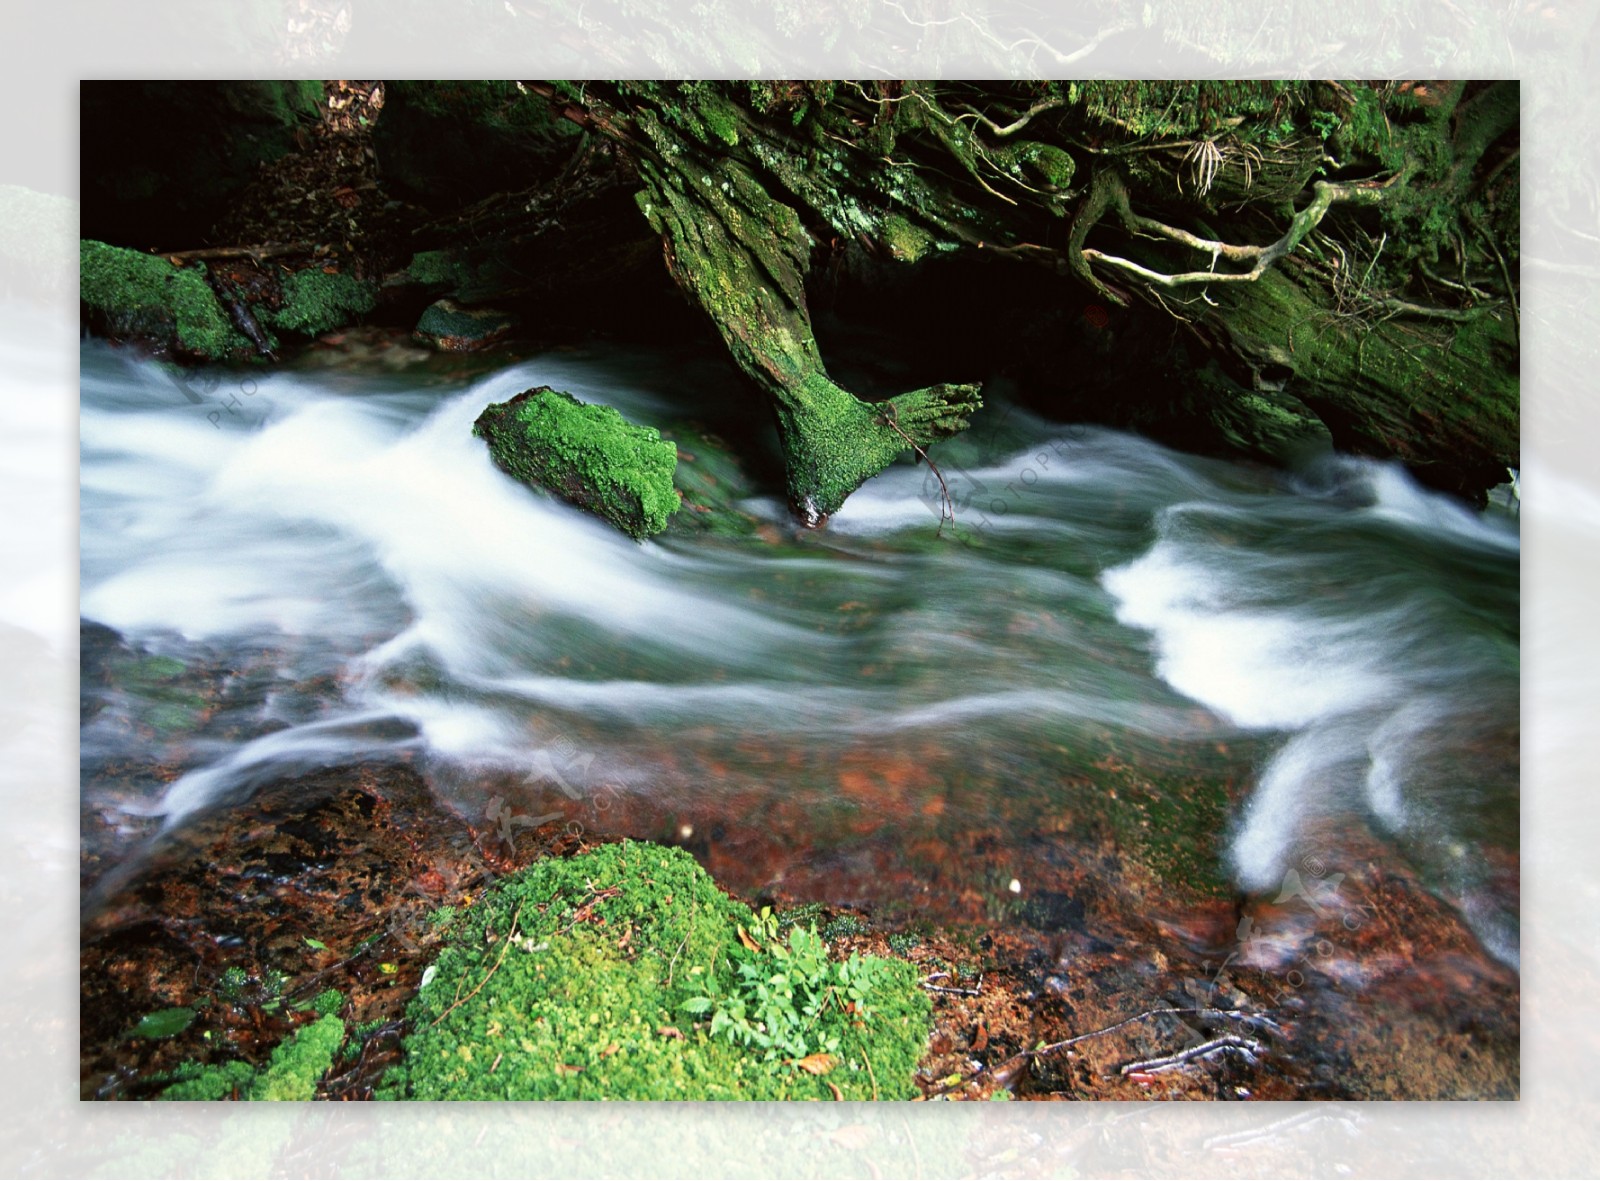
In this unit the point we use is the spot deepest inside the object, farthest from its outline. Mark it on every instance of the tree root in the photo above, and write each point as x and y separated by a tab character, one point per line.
1327	195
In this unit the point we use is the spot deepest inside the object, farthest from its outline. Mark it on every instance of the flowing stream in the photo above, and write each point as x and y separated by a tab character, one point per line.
319	567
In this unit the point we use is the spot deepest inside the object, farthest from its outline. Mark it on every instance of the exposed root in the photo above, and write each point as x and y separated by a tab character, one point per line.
1327	195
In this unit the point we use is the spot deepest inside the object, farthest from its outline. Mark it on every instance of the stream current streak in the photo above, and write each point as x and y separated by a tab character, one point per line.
1351	638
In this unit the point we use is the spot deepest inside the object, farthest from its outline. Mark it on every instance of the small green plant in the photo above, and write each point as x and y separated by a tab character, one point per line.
807	914
902	943
845	926
328	1002
443	918
232	983
780	993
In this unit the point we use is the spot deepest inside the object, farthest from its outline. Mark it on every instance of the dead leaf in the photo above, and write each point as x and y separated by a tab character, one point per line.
564	1068
610	1050
817	1063
837	1093
980	1040
671	1031
744	938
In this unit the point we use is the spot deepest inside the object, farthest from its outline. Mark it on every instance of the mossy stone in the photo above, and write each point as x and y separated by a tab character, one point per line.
570	980
587	455
142	297
452	328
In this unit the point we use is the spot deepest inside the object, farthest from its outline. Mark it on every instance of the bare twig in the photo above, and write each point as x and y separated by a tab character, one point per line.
1027	1055
1228	1041
927	982
252	252
947	508
504	946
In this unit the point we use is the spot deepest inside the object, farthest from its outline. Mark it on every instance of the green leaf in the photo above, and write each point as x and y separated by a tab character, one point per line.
163	1023
316	943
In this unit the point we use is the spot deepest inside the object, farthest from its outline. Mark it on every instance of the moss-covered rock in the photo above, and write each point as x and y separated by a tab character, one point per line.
315	301
587	455
134	296
452	328
625	973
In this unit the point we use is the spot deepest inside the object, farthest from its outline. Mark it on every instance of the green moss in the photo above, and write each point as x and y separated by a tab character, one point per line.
905	241
434	268
587	455
328	1002
141	296
585	977
746	267
292	1073
315	301
209	1083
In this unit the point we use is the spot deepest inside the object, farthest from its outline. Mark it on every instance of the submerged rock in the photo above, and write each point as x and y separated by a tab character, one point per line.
589	456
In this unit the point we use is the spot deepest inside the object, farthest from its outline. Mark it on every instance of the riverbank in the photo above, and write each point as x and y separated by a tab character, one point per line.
1364	987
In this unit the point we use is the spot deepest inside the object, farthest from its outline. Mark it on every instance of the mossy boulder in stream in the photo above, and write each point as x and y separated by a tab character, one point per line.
589	456
625	973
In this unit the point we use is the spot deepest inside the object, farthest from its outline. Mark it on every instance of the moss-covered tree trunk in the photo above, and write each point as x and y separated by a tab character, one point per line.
1350	249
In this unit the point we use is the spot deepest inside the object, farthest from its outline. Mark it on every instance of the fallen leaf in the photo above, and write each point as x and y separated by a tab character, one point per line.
163	1023
980	1040
610	1050
817	1063
837	1093
744	938
564	1068
671	1031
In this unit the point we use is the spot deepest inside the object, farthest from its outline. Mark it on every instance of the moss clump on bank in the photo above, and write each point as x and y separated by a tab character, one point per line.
315	301
587	455
625	973
144	297
291	1074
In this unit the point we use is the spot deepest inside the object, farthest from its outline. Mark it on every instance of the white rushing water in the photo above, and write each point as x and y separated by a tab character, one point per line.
1095	584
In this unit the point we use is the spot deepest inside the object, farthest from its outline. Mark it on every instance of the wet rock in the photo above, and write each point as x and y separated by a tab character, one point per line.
453	328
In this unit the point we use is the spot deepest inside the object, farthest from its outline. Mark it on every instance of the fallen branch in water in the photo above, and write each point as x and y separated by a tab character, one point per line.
1249	1047
1012	1065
